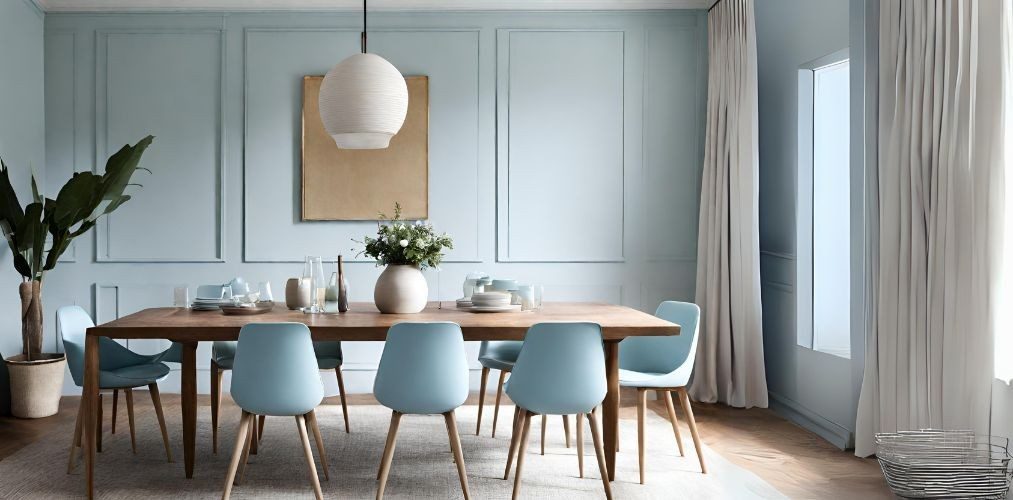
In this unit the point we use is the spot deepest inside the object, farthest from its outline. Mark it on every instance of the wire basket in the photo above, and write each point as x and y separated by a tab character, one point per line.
932	463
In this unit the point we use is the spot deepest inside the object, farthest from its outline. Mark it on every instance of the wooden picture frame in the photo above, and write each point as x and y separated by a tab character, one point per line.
359	184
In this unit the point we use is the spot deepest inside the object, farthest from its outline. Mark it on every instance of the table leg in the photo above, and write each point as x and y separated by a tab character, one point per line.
89	399
610	407
188	391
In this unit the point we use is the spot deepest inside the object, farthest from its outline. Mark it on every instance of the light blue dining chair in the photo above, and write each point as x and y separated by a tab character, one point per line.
423	371
223	353
275	374
664	365
501	355
121	370
560	371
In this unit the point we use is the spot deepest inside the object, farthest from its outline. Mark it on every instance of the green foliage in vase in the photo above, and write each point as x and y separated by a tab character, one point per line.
401	242
74	211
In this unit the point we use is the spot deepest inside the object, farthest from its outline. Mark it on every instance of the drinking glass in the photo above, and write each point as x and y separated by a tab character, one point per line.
539	294
181	296
265	291
526	293
313	271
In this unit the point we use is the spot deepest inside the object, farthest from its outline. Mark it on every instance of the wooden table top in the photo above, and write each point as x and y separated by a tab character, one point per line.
363	322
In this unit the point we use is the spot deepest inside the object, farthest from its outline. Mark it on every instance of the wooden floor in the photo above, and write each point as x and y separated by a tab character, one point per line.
793	460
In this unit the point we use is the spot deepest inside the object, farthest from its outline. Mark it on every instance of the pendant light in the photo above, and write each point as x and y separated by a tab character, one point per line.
363	100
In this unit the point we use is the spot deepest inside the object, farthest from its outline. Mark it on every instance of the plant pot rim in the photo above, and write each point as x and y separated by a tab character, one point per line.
44	358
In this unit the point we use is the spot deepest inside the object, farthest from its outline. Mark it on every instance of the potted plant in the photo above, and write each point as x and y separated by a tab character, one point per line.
36	377
406	249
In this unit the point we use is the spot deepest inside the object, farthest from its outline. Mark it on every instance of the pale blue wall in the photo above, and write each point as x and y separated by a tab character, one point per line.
22	144
592	191
815	389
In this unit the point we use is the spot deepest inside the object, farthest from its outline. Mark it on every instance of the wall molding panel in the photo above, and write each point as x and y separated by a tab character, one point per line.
106	246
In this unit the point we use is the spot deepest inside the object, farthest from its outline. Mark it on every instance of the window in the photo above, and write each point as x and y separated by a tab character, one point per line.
824	223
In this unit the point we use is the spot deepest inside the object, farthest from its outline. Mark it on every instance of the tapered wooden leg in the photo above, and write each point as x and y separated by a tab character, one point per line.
580	443
388	454
247	439
522	450
216	403
684	401
544	425
98	426
481	399
499	396
311	421
515	439
641	409
188	407
599	452
341	394
667	395
260	427
116	400
255	436
566	429
610	407
91	401
157	401
237	454
76	442
455	445
129	396
308	453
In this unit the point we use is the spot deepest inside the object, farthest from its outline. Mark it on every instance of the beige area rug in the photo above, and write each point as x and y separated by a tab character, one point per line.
422	468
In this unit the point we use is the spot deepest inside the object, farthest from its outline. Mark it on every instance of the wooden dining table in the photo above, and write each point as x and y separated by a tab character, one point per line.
362	322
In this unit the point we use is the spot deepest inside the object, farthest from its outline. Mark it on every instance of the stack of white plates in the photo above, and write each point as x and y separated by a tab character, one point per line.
208	304
491	302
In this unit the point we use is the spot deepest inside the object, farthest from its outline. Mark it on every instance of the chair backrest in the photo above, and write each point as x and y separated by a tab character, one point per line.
561	369
500	349
72	322
423	369
275	371
328	349
669	353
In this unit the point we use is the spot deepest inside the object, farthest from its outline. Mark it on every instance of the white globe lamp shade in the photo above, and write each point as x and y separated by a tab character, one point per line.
363	102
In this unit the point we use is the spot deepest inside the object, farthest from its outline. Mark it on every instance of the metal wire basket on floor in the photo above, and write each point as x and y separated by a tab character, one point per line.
934	463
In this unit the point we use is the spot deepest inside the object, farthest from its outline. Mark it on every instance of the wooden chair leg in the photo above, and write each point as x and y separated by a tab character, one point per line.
116	400
98	426
544	425
255	436
684	401
455	445
76	442
600	453
388	454
515	439
216	403
247	438
641	410
341	394
580	443
481	398
157	401
260	427
308	453
129	396
667	395
566	429
521	451
311	421
237	454
499	396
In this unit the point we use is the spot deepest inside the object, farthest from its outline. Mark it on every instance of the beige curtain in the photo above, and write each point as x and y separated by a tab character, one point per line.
936	205
729	361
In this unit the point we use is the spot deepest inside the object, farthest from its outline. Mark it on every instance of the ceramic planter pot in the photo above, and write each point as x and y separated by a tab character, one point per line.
36	385
401	289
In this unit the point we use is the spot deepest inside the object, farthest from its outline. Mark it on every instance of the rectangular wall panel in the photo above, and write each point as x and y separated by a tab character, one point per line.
61	113
276	61
166	84
560	131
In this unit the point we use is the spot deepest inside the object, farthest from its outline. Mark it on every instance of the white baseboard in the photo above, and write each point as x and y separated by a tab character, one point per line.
838	436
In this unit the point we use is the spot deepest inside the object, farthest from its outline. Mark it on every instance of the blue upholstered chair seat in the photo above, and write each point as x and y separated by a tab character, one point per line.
499	355
678	378
132	376
497	364
328	354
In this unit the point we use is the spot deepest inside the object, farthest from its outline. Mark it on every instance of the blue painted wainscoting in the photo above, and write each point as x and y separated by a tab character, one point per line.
565	149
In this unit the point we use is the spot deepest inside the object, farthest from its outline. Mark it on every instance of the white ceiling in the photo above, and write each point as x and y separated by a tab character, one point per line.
339	5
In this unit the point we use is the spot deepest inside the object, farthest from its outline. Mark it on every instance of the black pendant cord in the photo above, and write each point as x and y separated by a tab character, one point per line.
363	26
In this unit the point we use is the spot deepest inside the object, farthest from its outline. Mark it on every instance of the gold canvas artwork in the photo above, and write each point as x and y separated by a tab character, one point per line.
358	184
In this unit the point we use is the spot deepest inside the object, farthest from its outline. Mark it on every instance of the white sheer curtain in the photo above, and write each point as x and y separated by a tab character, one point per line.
937	191
729	361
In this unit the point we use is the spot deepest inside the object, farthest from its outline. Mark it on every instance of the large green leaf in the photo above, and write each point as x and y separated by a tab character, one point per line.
121	167
25	232
77	198
10	207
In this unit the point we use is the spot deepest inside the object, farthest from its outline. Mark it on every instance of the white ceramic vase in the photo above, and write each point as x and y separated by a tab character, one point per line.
401	289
